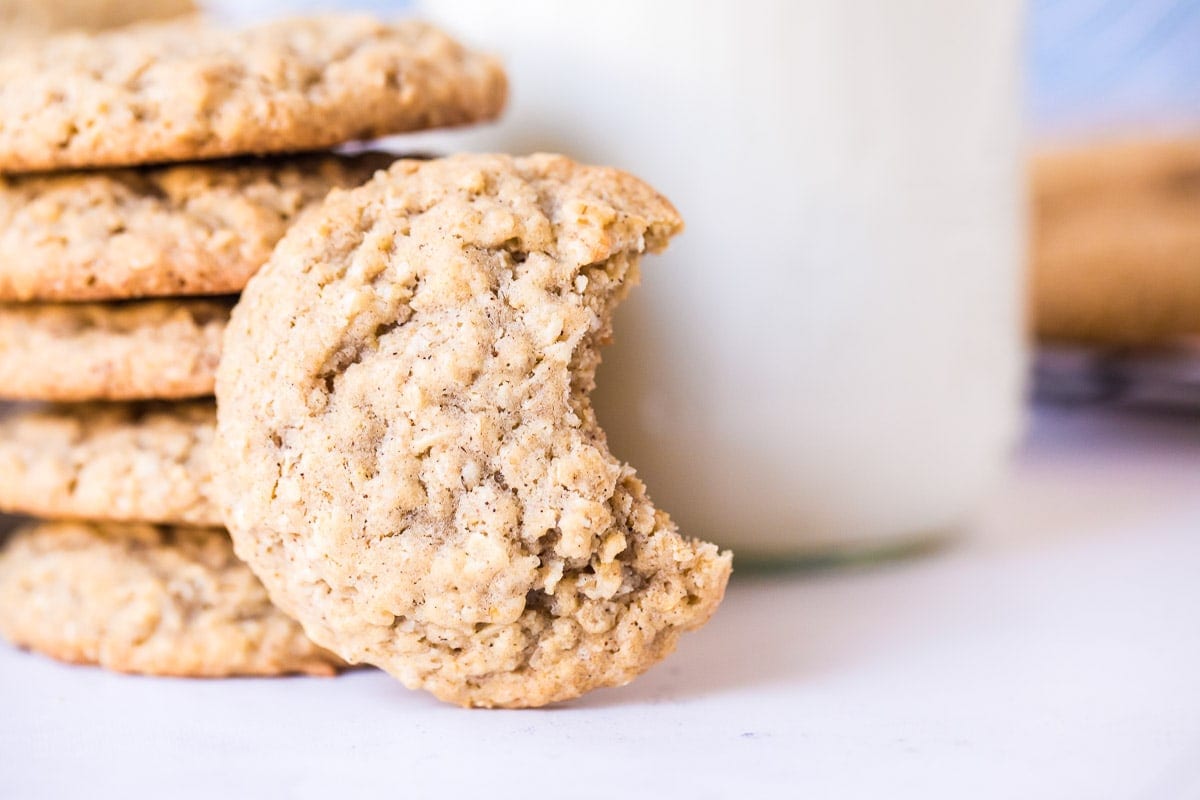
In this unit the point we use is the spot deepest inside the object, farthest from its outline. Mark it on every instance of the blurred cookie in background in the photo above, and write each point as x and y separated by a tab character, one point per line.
1113	99
1116	242
22	20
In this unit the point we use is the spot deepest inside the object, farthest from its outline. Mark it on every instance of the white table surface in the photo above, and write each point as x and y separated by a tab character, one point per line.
1054	654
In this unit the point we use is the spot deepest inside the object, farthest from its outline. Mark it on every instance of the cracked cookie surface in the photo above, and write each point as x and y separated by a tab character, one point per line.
112	461
179	91
146	599
193	229
142	350
413	466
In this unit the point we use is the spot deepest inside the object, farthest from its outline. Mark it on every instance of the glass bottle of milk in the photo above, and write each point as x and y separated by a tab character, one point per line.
830	358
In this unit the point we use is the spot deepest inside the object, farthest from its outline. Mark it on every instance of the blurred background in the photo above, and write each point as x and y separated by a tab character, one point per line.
1116	281
1113	67
941	276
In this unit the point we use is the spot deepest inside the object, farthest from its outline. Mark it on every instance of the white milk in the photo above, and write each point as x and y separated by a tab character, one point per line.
830	356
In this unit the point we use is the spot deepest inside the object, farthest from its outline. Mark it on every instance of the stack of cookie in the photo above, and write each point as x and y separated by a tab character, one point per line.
26	21
122	247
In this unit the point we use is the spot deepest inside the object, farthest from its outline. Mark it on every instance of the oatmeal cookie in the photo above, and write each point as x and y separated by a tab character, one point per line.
111	461
412	463
193	229
180	91
145	599
1116	243
141	350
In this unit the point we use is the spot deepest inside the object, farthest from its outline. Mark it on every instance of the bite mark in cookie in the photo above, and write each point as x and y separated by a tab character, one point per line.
412	463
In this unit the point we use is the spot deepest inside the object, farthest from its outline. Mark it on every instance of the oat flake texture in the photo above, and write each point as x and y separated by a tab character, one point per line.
177	91
411	461
145	599
185	229
141	350
127	462
23	21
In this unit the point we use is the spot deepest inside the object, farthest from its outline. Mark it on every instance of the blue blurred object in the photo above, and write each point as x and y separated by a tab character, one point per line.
1120	66
1114	66
244	12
